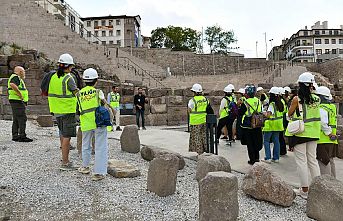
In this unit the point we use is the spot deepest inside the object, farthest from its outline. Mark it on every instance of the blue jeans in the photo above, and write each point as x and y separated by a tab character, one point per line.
141	113
274	137
101	149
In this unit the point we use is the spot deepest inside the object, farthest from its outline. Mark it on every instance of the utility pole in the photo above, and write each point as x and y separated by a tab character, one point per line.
256	49
202	40
265	40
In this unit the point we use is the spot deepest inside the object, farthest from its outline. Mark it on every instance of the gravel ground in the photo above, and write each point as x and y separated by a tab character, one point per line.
33	188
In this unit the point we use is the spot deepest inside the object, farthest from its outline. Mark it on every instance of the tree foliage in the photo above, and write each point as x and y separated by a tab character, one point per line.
176	38
218	39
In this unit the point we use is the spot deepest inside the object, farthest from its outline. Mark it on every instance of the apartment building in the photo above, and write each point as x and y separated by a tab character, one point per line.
317	44
122	31
65	12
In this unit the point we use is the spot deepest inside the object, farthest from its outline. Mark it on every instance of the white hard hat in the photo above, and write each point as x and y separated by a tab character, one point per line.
325	91
274	90
288	89
196	88
229	88
66	59
306	77
259	89
90	74
241	90
282	91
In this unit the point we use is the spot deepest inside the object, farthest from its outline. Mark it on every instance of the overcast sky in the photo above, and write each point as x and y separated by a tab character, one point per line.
249	19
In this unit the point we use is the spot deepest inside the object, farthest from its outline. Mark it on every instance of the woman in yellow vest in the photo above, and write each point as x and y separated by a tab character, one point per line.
240	100
252	137
305	107
197	119
327	144
273	125
284	99
89	99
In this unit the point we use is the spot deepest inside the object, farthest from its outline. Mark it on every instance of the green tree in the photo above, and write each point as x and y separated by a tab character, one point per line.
176	38
218	39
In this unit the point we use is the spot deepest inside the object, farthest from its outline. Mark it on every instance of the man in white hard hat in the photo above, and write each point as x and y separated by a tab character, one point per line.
227	113
62	104
90	99
327	144
197	109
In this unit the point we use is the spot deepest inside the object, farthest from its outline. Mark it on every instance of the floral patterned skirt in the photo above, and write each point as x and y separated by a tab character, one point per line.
197	139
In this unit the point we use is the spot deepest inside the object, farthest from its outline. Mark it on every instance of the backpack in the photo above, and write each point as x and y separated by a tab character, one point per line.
233	109
102	117
256	120
44	86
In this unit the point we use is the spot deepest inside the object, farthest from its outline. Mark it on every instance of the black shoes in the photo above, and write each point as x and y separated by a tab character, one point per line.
25	140
15	139
144	128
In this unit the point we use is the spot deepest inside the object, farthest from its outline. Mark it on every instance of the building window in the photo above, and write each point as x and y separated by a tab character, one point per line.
341	41
118	33
304	51
327	41
103	33
118	22
333	41
89	23
340	51
110	22
110	33
89	34
96	42
304	42
336	32
334	51
118	42
323	32
327	51
316	32
319	51
96	33
330	32
103	22
318	41
305	33
103	42
111	42
96	23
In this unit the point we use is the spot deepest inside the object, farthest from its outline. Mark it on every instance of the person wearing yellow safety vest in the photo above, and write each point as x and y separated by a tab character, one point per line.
197	107
305	107
113	98
252	137
240	100
62	104
273	125
263	97
89	98
18	97
226	115
284	100
327	144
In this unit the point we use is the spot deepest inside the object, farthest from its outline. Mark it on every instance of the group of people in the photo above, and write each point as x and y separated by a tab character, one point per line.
67	99
305	116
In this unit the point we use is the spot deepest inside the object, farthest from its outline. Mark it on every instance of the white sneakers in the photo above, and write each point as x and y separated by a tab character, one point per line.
301	193
84	170
267	161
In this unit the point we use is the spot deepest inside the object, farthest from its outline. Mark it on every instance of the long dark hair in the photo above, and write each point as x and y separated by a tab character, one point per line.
278	103
304	94
61	69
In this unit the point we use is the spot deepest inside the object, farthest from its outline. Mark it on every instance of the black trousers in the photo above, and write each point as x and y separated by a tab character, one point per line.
283	149
226	121
239	128
254	141
19	119
139	112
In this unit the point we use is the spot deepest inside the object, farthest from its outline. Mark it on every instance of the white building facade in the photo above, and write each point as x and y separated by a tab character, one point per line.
317	44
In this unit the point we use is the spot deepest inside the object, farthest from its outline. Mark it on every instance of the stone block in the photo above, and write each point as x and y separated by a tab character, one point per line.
3	60
20	60
162	175
156	119
127	120
215	100
158	108
121	169
158	100
129	139
128	91
219	93
218	197
325	199
4	72
154	93
187	93
178	92
263	184
149	153
3	90
176	101
45	121
38	110
211	163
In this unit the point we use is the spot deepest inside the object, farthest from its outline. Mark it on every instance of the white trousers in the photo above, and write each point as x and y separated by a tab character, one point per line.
305	158
101	149
117	114
328	169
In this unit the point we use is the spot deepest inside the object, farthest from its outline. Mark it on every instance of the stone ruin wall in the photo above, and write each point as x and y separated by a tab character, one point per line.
188	63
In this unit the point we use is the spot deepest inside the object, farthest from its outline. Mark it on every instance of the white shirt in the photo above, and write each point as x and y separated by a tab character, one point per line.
101	95
324	120
191	104
271	109
223	104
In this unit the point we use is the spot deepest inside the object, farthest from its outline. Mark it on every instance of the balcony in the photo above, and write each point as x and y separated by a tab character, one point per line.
299	55
59	14
59	4
305	45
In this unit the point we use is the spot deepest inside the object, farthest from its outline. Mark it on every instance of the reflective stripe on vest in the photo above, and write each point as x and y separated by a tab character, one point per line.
198	114
88	98
332	122
115	99
61	99
12	95
274	122
311	118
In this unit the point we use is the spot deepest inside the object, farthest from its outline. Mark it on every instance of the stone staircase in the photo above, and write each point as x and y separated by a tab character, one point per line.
30	26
